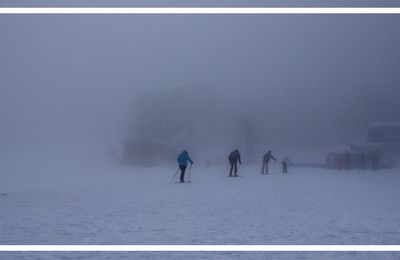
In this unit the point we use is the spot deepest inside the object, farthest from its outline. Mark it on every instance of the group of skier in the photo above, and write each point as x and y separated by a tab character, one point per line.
233	159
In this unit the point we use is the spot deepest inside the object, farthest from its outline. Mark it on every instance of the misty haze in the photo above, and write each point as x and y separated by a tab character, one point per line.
96	109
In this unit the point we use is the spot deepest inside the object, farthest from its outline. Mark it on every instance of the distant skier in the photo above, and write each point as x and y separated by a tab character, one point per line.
363	161
183	158
374	160
234	157
285	162
347	160
266	158
339	161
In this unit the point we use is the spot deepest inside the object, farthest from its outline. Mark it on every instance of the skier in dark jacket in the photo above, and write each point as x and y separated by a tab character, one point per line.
234	157
266	158
183	158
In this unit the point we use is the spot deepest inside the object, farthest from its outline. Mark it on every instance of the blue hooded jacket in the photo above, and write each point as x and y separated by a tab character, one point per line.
183	158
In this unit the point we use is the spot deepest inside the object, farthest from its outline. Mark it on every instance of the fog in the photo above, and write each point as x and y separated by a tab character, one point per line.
291	83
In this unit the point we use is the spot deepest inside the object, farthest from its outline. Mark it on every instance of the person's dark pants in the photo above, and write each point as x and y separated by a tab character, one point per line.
284	167
183	169
264	167
233	166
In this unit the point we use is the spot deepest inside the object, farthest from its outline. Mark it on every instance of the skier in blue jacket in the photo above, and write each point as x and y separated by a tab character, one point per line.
183	158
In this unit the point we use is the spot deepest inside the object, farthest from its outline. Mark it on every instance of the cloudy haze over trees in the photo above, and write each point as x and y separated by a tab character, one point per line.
200	81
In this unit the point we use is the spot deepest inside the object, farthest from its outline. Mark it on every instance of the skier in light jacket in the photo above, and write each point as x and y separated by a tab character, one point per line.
285	161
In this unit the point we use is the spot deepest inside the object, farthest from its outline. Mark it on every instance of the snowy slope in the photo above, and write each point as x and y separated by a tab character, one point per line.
114	205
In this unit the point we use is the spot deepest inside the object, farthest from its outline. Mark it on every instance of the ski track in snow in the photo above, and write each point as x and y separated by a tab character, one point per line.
140	206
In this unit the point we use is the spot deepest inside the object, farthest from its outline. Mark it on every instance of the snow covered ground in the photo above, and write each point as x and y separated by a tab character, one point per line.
132	205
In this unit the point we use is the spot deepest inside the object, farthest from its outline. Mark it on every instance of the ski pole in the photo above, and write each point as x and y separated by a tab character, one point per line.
226	170
189	178
263	167
175	175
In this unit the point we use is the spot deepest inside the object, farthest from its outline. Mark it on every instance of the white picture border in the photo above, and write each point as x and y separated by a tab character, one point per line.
200	10
200	248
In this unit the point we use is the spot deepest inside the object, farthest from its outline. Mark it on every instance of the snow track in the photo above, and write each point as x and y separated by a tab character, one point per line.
140	206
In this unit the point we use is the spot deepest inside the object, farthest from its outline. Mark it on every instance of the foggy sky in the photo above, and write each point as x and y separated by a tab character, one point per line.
301	80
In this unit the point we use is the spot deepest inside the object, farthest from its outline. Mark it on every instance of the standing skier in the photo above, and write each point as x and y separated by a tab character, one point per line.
285	162
183	158
347	160
267	157
234	157
374	160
